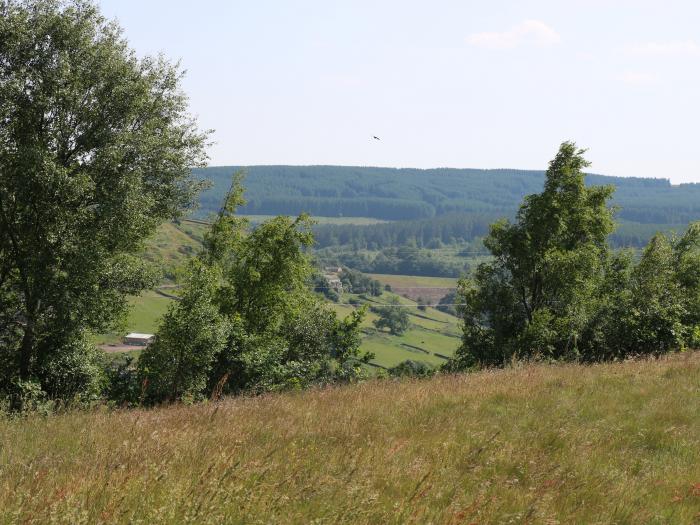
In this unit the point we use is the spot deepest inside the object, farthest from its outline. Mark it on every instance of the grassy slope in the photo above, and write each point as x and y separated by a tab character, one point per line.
431	331
170	242
615	443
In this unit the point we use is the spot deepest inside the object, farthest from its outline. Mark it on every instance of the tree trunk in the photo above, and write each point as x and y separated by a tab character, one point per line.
27	349
25	361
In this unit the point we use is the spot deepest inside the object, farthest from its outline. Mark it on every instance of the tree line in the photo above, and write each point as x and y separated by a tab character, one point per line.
406	260
463	229
386	209
449	229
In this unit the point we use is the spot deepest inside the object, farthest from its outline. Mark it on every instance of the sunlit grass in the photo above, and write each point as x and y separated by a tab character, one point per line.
613	443
410	281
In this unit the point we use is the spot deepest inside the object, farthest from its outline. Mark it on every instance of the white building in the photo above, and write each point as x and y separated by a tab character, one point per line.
134	338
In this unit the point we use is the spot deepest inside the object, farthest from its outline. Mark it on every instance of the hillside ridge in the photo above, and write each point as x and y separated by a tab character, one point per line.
416	193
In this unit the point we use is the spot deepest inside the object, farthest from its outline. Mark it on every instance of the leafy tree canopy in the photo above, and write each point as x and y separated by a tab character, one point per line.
392	316
96	150
534	297
248	320
554	289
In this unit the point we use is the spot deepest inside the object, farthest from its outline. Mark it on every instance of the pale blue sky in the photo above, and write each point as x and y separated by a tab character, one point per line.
479	84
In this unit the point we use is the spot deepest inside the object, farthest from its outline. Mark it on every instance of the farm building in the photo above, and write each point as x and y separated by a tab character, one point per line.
137	339
334	282
332	276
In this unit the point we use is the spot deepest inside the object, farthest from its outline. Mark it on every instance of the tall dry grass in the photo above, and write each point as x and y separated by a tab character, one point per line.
613	443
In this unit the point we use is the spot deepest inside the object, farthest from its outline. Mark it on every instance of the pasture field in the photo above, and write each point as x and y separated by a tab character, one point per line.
390	350
432	330
144	315
611	443
146	312
412	281
428	290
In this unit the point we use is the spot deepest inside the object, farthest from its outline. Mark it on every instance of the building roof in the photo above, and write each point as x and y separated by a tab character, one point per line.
136	335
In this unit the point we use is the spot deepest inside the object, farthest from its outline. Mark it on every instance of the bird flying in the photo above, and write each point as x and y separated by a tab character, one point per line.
375	137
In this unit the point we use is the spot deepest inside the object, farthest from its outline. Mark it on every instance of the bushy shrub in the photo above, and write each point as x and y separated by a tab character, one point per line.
73	372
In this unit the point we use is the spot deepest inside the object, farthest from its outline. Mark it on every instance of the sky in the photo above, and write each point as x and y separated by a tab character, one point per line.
463	84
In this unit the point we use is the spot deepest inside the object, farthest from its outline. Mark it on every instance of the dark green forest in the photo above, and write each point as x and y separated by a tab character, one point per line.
403	194
435	205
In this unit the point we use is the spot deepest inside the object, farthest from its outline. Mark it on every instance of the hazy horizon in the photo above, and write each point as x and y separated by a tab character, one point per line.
458	84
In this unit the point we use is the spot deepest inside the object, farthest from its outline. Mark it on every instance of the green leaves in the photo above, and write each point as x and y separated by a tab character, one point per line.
392	316
96	150
536	296
555	291
179	362
248	321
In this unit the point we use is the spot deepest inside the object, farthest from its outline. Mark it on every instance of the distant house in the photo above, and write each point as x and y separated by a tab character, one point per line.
331	275
334	282
137	339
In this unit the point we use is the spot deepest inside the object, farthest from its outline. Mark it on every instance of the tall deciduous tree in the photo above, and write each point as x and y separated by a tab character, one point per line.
248	320
537	295
96	147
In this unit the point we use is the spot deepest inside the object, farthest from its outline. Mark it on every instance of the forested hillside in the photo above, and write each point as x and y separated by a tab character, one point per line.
410	194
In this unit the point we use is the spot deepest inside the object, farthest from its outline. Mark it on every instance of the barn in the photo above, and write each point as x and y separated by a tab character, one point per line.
138	339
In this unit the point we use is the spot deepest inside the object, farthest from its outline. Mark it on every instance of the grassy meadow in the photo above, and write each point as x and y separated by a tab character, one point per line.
614	443
414	281
431	330
145	313
431	334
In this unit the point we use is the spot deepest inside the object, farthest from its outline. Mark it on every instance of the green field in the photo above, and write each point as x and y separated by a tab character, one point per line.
411	281
431	330
613	443
355	221
145	313
389	350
